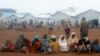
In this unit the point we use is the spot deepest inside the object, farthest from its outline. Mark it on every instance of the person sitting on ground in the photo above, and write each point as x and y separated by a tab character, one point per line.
45	44
62	44
95	46
8	46
36	44
48	46
22	44
54	44
27	45
72	42
84	44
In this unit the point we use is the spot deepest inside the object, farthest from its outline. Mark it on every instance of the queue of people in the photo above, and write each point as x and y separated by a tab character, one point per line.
51	44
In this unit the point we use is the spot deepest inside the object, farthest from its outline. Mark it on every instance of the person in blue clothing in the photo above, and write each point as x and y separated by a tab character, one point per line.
20	42
95	46
45	44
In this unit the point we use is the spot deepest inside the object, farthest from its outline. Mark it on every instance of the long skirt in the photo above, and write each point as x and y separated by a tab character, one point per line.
67	32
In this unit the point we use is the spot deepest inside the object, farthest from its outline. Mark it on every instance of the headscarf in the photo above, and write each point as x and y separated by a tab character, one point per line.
36	44
60	41
53	37
21	36
62	44
72	40
54	44
35	38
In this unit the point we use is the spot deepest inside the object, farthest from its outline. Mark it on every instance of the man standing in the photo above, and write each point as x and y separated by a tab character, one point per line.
84	28
50	27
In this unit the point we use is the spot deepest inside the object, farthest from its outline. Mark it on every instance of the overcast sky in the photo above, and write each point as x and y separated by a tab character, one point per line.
37	7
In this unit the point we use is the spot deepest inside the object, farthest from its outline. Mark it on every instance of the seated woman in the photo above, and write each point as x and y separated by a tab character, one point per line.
8	46
72	42
27	45
95	46
84	44
36	44
54	44
62	44
22	44
45	44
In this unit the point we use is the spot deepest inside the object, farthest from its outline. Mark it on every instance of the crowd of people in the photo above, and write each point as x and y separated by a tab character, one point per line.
53	44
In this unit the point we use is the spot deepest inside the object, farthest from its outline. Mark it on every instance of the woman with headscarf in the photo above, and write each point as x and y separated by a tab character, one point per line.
62	44
54	44
36	44
22	44
72	42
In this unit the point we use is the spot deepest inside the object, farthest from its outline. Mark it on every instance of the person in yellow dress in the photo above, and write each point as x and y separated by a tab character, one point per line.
54	44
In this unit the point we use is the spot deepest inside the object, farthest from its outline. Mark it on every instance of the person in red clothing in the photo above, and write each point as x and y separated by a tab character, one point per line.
8	46
36	44
11	47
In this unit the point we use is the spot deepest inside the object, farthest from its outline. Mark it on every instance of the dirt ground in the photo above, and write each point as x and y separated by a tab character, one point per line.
12	34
